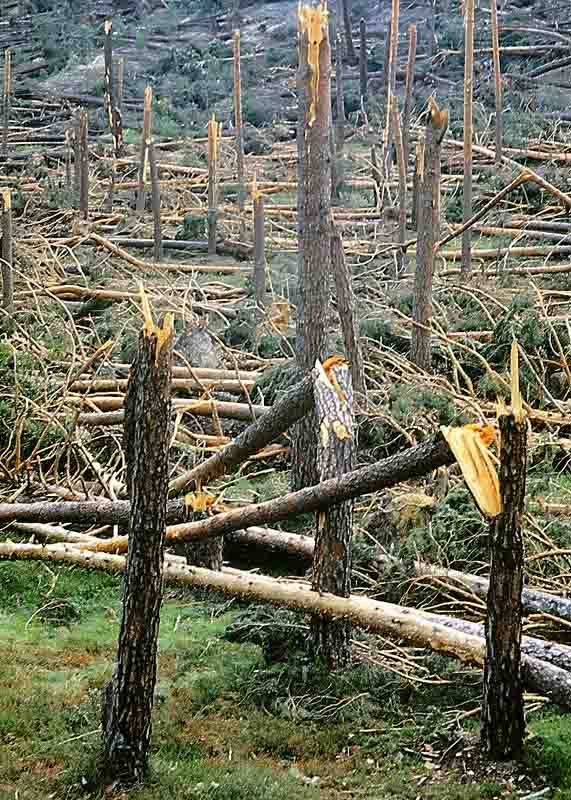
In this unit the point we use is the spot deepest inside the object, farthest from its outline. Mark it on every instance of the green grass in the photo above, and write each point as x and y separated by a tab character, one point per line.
229	723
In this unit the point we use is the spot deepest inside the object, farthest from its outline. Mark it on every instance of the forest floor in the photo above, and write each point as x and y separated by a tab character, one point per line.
231	723
242	713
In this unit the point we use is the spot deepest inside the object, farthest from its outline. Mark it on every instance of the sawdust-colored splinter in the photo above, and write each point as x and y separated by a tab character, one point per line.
313	21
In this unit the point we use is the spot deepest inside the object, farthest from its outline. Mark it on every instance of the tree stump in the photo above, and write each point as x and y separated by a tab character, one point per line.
128	698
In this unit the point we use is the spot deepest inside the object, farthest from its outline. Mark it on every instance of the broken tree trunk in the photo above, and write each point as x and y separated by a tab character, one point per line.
314	278
331	638
363	68
239	133
340	119
404	624
497	80
391	82
401	166
213	140
6	99
128	700
407	465
427	225
158	251
346	308
468	114
503	724
113	113
349	46
259	248
7	257
147	129
83	164
409	86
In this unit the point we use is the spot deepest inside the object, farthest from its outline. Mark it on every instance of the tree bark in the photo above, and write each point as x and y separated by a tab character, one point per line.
427	224
259	250
331	638
128	700
6	99
401	166
340	118
316	245
349	46
409	86
7	255
404	624
468	114
503	724
147	132
346	308
113	113
497	80
213	136
158	252
239	129
83	164
290	408
363	67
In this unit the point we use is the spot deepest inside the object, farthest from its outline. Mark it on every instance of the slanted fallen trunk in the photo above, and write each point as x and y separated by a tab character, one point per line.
404	624
410	464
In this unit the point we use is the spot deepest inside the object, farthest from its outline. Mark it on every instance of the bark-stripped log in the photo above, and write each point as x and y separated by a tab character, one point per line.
128	700
404	624
331	638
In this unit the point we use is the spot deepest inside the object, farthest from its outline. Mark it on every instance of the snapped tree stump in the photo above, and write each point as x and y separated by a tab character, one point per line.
331	638
128	698
503	724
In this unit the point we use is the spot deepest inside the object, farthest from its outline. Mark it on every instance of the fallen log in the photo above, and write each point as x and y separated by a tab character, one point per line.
407	465
533	600
402	623
200	408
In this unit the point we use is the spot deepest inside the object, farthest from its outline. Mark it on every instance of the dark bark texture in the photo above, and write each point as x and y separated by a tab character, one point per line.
346	308
331	638
316	248
6	253
407	465
113	113
503	725
428	226
128	700
363	67
349	46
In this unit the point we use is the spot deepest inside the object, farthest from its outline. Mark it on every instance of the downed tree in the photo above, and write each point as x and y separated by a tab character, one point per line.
404	624
407	465
533	600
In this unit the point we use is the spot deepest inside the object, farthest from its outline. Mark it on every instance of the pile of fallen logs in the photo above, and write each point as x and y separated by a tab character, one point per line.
546	666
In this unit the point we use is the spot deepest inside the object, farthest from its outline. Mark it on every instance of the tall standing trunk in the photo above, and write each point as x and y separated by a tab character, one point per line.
363	66
340	120
7	262
239	133
497	79
314	183
6	99
468	102
84	163
409	86
347	312
349	45
212	220
427	226
503	723
128	699
147	132
391	78
331	638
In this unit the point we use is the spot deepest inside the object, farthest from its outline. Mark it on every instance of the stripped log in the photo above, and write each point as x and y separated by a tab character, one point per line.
404	624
